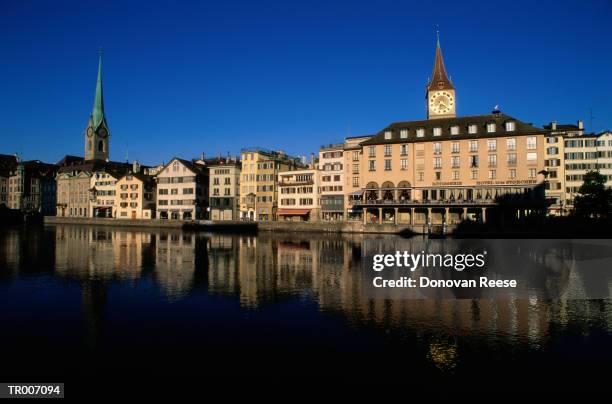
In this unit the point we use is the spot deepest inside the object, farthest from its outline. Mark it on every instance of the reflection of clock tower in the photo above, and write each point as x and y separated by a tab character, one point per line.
440	91
97	134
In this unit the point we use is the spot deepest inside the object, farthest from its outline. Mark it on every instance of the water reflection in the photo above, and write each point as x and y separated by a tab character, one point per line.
268	269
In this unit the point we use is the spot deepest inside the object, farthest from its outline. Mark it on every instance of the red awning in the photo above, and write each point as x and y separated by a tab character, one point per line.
293	212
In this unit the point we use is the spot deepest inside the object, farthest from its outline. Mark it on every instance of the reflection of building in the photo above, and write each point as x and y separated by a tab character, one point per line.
331	162
135	196
298	195
224	190
258	189
175	262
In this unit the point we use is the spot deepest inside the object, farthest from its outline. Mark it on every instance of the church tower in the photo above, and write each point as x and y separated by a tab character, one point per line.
97	135
440	91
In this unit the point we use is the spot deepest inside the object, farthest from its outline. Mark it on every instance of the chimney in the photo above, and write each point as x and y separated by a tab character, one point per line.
312	161
135	167
581	124
553	125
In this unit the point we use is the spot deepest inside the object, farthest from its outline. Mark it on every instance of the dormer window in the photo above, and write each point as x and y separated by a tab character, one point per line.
404	133
510	126
388	135
491	127
472	128
454	130
420	132
437	131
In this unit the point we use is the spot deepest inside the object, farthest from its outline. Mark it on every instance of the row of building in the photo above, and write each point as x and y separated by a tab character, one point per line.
442	169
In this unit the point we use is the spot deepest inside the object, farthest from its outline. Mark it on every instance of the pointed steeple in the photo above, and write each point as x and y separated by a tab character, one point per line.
439	78
97	114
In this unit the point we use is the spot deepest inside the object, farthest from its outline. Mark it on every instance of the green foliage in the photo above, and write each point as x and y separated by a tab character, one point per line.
595	200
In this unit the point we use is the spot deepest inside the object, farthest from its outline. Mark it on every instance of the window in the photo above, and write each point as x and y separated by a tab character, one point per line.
437	162
355	182
420	132
532	158
512	173
387	165
491	127
492	144
532	173
531	142
455	175
404	133
455	161
455	147
511	143
512	159
492	174
404	164
473	161
454	130
437	131
388	135
438	175
372	151
473	146
404	149
474	175
510	126
355	156
472	129
492	160
372	165
387	150
420	176
355	168
437	148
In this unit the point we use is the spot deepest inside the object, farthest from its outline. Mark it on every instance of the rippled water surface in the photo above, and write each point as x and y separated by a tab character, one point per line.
80	301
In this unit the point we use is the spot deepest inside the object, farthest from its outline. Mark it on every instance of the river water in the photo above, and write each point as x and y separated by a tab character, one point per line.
98	302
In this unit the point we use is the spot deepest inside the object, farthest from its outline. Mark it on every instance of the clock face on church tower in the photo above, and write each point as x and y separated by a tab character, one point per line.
441	102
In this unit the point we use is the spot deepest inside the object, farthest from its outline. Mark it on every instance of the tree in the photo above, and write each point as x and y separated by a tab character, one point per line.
594	199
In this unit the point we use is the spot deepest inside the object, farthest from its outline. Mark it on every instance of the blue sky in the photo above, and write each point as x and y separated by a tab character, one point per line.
212	77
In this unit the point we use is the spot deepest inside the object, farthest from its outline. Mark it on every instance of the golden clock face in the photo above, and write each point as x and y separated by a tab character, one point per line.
441	102
89	132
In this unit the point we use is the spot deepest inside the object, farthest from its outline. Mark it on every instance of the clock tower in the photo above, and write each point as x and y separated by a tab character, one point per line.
97	135
440	94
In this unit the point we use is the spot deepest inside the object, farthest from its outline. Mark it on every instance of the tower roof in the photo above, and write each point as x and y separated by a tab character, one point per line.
97	114
439	79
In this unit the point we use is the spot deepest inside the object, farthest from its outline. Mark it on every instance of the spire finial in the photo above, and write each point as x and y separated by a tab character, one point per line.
438	35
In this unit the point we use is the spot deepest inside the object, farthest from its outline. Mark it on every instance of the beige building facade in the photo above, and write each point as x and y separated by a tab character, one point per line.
224	190
259	189
182	190
298	195
331	187
135	197
446	169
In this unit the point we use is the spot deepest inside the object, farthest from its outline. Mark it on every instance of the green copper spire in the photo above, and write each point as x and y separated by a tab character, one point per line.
97	115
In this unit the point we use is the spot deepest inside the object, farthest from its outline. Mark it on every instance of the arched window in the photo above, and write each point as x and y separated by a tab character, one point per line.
101	146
